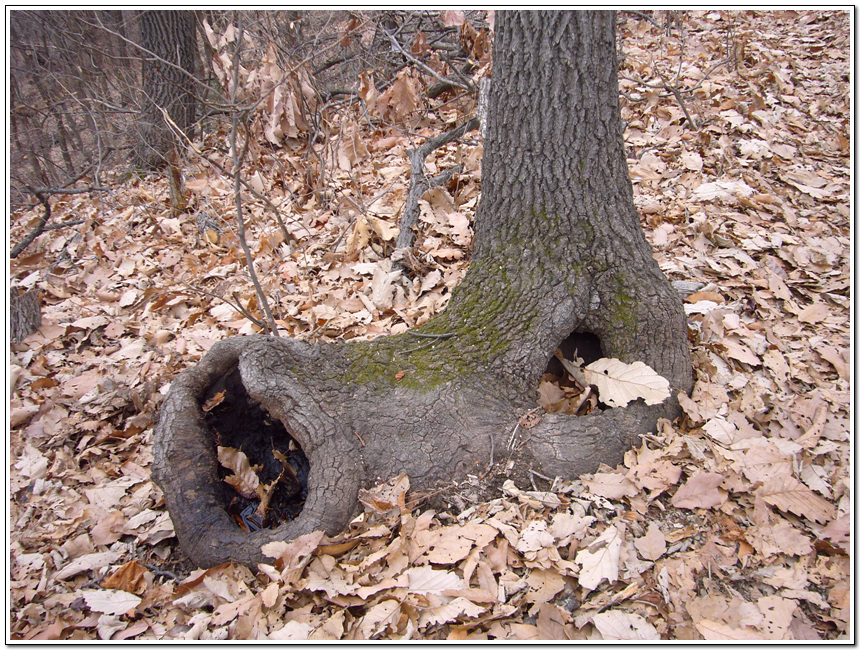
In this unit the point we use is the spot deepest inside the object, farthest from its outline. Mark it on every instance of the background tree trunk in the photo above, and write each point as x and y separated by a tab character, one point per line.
167	83
559	254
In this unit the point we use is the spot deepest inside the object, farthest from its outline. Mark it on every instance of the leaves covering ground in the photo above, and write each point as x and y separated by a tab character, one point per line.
731	523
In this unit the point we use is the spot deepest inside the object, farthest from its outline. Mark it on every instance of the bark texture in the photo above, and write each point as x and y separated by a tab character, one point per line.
168	70
558	250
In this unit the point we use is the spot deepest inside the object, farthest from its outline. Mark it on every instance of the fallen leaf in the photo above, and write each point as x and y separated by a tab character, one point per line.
86	563
619	383
615	625
599	560
110	601
244	478
700	491
790	495
653	544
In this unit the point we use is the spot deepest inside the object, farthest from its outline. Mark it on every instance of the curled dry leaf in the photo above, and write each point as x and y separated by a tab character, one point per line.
244	478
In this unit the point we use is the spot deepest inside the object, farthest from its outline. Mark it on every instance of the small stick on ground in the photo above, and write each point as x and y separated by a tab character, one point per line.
419	183
42	225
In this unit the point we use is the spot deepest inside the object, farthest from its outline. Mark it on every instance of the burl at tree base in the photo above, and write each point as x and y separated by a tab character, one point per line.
559	250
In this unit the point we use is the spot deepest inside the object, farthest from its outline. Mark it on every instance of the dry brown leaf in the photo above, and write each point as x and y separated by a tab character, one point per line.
244	478
618	625
714	631
700	491
653	544
611	485
790	495
599	560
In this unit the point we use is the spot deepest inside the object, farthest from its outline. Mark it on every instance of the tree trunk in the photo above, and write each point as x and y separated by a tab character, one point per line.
559	255
168	71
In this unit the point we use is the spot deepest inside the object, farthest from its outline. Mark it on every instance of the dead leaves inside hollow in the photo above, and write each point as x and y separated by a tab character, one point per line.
732	523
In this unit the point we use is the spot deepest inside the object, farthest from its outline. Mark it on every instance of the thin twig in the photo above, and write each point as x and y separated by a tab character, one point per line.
237	185
245	311
424	66
539	475
419	184
237	305
420	347
644	16
65	224
40	226
513	436
69	190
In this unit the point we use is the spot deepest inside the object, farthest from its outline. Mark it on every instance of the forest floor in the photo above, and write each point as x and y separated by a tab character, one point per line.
731	523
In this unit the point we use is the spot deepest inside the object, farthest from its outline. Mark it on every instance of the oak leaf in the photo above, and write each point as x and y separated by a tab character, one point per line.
599	559
620	383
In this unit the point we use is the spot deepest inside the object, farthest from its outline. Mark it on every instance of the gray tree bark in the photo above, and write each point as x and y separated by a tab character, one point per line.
558	251
168	83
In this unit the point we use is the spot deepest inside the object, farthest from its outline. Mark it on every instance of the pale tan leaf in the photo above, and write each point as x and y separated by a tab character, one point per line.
836	358
552	624
735	349
110	601
425	579
386	231
778	539
32	463
543	585
270	594
386	496
86	563
610	485
815	313
790	495
534	537
777	614
451	544
108	529
452	17
599	559
653	544
713	631
378	618
294	630
692	161
700	491
619	383
447	612
618	625
838	531
721	431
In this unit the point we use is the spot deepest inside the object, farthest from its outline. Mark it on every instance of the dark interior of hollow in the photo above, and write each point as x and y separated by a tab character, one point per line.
238	421
578	344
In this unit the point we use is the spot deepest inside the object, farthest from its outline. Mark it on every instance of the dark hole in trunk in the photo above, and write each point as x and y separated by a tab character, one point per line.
238	421
578	344
558	390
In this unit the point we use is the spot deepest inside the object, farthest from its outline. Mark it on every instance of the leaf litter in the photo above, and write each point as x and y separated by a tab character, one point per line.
733	522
